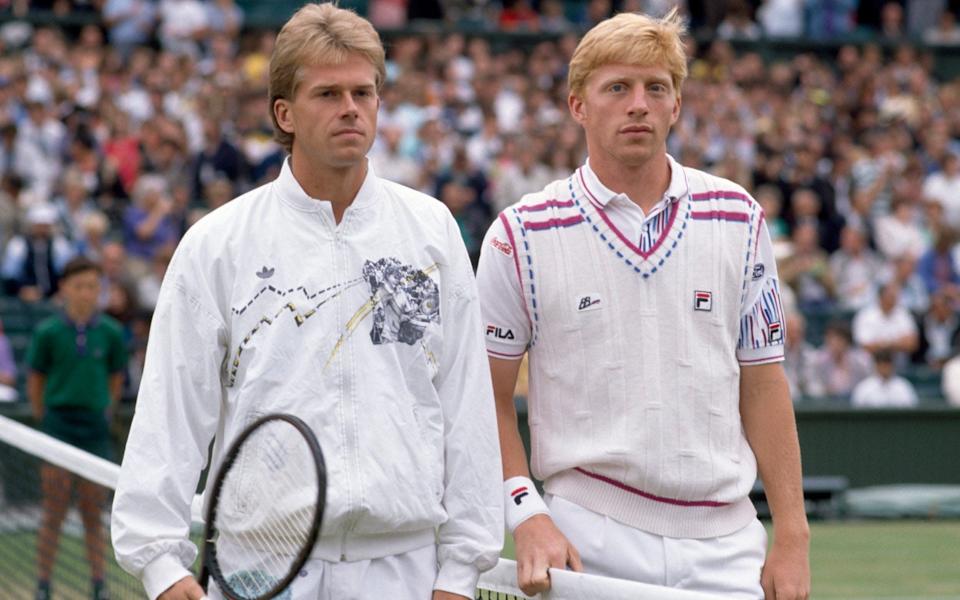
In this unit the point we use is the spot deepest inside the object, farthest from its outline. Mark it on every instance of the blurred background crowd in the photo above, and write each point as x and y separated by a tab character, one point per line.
124	121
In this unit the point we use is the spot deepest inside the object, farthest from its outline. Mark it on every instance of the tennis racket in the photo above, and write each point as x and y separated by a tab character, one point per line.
265	510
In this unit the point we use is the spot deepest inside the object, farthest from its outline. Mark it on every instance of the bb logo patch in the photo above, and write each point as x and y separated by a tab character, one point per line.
503	247
500	333
702	300
776	332
588	302
758	270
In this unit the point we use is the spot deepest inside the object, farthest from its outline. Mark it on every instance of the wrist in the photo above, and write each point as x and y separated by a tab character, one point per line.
521	501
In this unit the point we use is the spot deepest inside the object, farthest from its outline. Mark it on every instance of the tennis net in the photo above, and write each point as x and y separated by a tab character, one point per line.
39	474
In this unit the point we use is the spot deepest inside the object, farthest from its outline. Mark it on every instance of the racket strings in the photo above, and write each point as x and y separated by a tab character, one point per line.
270	502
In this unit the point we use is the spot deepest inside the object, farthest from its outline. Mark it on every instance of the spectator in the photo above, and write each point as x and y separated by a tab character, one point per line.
938	266
886	325
856	269
33	262
806	269
76	370
219	158
951	380
885	388
129	23
183	23
737	24
940	327
147	226
518	15
899	233
73	206
913	291
840	365
830	19
39	145
8	369
944	32
781	18
944	187
798	361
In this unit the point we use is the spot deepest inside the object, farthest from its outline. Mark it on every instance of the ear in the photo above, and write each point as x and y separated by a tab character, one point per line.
577	108
676	111
281	111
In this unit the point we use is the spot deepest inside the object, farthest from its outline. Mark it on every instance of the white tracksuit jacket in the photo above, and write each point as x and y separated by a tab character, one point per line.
368	330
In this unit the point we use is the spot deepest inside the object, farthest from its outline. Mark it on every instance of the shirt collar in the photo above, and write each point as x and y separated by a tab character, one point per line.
291	192
676	189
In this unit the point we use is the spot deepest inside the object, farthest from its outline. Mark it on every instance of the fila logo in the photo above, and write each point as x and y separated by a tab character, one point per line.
758	270
519	494
500	333
702	300
503	247
776	332
588	302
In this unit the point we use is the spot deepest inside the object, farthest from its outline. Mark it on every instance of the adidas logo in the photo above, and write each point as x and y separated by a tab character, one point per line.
265	273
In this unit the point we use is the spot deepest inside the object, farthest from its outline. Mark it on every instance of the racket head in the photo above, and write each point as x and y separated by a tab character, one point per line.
265	510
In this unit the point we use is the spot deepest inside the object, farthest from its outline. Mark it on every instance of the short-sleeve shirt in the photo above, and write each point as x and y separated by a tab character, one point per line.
78	360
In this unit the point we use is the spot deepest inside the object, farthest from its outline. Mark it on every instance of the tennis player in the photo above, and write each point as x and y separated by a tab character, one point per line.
646	296
349	301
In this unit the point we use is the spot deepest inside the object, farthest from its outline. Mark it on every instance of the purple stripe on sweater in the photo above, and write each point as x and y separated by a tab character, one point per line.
720	195
516	263
551	223
648	495
720	215
545	205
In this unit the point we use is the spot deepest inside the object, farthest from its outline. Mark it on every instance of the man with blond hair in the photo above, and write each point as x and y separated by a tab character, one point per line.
645	294
348	300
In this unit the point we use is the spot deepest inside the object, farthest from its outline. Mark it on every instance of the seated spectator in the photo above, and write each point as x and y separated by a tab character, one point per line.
798	359
944	187
855	269
129	23
737	23
940	328
951	380
518	15
913	292
840	365
770	199
938	266
781	18
884	388
886	325
945	31
33	262
806	269
73	205
94	228
900	233
8	369
147	226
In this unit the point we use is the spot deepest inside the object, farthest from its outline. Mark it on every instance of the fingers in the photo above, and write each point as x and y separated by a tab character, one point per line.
573	558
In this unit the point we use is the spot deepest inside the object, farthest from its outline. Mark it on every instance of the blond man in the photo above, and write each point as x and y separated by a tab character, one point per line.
645	294
266	307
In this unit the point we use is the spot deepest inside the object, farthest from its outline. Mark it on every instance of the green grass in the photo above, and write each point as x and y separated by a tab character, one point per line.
885	559
853	560
850	560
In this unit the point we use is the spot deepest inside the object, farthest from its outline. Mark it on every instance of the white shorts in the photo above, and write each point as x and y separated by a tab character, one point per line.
728	565
410	576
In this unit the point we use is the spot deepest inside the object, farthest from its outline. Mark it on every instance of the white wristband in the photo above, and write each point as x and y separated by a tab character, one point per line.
521	501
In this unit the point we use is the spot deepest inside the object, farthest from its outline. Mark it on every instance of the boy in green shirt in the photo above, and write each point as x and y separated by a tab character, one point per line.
76	361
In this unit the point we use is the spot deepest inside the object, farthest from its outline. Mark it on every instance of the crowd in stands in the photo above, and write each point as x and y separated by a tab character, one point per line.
117	135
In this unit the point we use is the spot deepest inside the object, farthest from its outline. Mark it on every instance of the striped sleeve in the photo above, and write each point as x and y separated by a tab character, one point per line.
506	323
761	314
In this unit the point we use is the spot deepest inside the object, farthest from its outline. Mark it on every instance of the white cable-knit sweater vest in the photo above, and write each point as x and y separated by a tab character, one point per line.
634	380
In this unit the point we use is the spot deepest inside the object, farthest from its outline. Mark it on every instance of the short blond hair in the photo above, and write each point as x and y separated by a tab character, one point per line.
633	39
318	34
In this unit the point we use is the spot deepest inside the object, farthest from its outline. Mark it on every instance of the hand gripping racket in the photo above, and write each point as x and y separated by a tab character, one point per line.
265	509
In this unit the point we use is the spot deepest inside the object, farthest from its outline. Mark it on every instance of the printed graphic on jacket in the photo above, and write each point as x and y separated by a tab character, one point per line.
404	300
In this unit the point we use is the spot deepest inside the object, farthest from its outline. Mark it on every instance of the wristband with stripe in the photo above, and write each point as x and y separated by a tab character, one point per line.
522	501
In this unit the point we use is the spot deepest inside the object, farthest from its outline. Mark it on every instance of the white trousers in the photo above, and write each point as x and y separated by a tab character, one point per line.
409	576
728	565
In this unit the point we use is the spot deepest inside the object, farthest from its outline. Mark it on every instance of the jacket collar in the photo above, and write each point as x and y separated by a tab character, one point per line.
291	191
